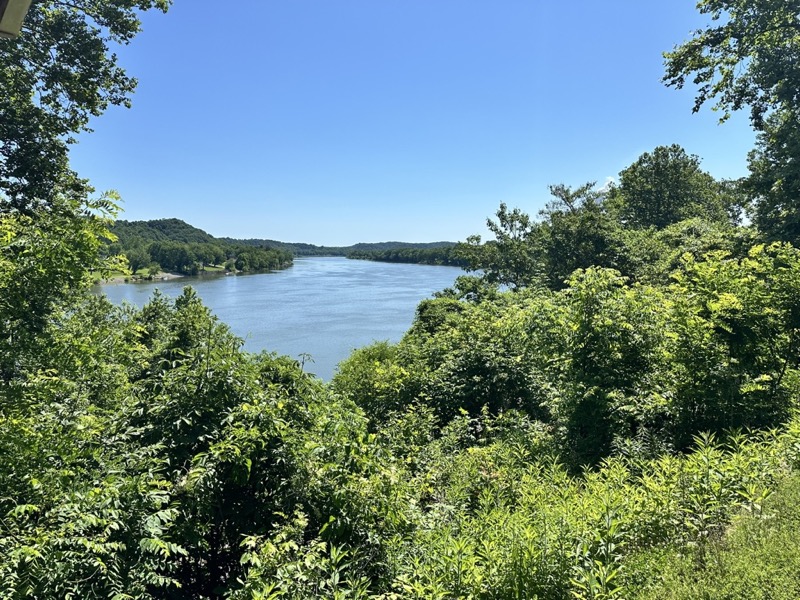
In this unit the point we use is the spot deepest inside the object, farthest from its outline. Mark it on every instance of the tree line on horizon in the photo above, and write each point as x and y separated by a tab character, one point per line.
606	408
444	255
174	245
304	249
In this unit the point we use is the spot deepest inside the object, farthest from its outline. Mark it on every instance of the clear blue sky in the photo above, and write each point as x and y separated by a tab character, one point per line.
340	121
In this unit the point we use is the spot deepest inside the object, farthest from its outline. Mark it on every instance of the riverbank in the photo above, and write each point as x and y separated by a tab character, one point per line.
122	278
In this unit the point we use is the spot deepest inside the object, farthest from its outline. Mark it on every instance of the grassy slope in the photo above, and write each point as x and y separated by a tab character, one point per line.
757	559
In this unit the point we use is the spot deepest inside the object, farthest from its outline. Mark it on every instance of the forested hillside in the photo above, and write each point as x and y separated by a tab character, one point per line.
136	233
440	254
606	408
173	245
302	249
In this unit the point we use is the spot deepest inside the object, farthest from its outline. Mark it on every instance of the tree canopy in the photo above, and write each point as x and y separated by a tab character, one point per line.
747	57
509	259
665	186
58	74
610	410
774	179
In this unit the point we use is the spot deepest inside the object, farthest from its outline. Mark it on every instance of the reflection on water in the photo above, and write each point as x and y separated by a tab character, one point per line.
325	307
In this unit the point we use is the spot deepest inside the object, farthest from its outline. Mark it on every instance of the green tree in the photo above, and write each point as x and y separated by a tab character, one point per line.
138	258
748	57
774	179
511	258
736	350
578	233
45	258
666	186
607	337
55	76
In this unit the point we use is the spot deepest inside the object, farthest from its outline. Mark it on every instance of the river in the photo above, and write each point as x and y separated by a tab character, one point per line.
323	306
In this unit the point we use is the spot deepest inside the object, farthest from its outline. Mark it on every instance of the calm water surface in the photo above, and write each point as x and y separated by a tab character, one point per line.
325	307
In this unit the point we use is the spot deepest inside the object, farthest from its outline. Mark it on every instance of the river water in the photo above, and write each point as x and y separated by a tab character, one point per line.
322	306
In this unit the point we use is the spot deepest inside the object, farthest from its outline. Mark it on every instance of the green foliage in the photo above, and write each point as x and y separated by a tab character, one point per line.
261	259
501	524
757	557
360	250
439	255
577	232
610	346
510	259
55	76
746	57
473	357
611	365
774	179
371	378
666	186
286	566
44	258
138	258
653	255
663	207
139	447
177	246
141	233
85	506
736	329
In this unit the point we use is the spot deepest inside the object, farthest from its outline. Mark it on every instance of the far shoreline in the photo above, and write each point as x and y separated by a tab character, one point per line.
170	276
116	279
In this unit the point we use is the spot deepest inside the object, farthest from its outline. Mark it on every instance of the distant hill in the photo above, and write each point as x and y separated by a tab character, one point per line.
296	248
302	249
174	245
399	245
133	234
432	254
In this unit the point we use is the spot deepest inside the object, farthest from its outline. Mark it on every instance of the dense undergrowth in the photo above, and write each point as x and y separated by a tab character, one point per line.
757	558
598	441
609	409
